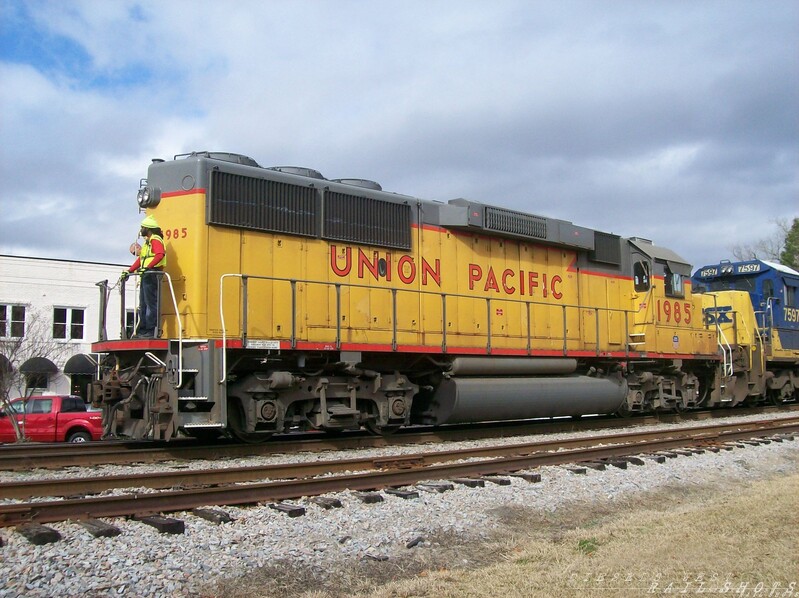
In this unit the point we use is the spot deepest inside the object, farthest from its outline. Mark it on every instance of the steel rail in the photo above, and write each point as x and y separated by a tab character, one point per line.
24	457
231	475
182	500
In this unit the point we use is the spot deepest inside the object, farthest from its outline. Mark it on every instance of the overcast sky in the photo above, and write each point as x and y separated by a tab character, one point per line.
677	121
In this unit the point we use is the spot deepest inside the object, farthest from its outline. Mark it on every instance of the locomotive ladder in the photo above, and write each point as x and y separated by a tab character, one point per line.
640	322
728	369
726	351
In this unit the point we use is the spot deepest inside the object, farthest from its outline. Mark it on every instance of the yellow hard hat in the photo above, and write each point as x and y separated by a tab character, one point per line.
149	222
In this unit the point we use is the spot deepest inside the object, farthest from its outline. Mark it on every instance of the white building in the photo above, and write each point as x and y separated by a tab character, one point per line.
50	316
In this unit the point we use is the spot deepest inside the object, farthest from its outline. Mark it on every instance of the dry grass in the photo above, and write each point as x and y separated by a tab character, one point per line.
676	540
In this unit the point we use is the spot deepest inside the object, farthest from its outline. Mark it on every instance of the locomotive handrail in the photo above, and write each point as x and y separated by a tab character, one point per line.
102	331
337	286
596	321
768	319
224	328
174	304
722	341
180	323
760	320
761	342
757	334
123	334
729	368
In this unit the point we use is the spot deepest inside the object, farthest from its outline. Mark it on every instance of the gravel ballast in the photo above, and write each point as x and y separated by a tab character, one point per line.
143	562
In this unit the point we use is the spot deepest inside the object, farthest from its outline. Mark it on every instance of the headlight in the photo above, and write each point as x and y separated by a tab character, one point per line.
148	197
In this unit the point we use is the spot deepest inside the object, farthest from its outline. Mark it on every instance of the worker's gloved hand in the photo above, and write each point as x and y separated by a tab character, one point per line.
124	276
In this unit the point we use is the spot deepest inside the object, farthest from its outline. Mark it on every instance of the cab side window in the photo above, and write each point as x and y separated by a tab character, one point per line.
641	276
768	289
673	283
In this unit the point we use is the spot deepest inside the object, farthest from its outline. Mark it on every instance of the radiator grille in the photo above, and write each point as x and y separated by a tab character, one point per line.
261	204
367	221
607	248
515	223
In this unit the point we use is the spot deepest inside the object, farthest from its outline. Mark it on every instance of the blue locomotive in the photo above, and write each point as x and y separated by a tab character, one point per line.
773	289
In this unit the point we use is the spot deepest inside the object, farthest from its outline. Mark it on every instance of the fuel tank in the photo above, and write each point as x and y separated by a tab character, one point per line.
461	400
512	366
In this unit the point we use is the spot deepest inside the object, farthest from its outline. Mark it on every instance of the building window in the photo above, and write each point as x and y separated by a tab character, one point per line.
12	321
36	383
68	323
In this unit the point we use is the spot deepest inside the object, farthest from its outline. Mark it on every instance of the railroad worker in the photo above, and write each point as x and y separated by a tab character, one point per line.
151	259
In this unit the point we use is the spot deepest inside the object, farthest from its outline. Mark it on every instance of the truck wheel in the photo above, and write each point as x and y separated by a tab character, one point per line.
79	437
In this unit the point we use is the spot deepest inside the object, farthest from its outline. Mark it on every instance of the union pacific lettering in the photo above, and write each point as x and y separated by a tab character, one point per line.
382	266
386	266
515	281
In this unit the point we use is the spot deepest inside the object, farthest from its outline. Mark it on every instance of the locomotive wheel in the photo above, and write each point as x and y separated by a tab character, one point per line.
235	418
678	406
624	411
704	394
381	430
250	437
206	436
779	396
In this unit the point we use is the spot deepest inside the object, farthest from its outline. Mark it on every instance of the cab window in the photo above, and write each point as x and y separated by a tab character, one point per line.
641	276
673	283
768	289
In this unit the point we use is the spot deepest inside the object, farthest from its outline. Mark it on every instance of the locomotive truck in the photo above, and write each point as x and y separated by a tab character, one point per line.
295	302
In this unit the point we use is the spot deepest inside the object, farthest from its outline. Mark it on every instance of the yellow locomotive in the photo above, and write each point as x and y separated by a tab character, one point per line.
754	307
294	302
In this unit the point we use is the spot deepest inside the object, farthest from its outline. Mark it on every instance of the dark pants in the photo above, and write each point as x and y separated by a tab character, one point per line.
148	304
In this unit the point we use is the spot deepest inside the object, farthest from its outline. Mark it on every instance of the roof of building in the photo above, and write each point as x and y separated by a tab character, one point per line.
55	259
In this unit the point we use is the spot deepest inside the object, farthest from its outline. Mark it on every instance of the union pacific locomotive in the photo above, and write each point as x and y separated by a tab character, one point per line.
295	302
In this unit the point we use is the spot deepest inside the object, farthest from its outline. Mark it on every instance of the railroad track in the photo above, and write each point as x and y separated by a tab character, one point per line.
378	473
231	475
25	457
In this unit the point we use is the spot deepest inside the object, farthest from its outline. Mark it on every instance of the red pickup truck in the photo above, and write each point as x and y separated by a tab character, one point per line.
56	418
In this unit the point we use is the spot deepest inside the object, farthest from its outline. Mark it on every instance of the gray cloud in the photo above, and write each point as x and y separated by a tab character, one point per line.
674	121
